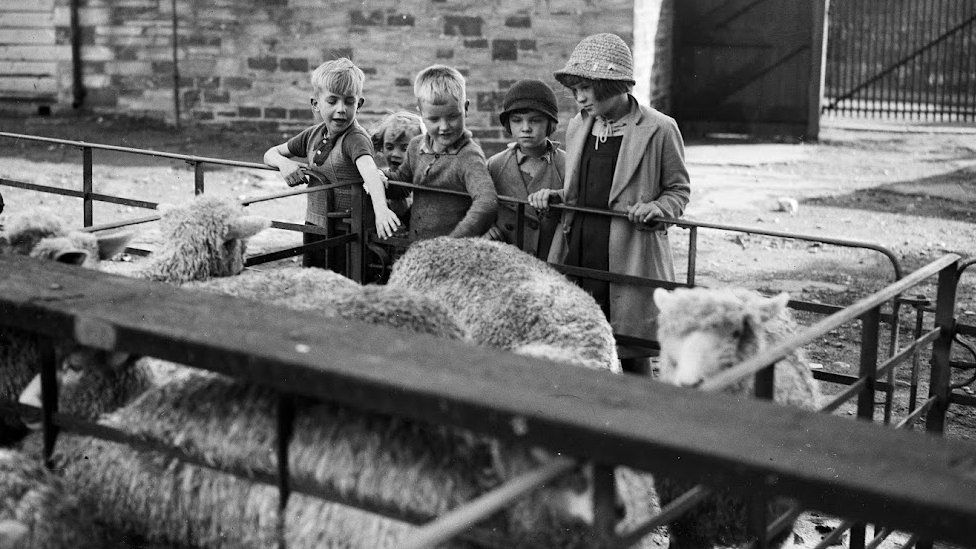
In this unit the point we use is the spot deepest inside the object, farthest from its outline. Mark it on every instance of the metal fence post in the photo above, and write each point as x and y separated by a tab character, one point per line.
692	254
941	370
604	503
519	225
942	347
357	249
86	185
49	399
197	177
870	331
285	427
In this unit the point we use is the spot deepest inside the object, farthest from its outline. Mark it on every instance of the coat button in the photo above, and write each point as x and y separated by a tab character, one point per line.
509	227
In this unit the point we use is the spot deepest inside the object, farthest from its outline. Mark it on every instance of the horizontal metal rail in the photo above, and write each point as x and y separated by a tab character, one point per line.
821	328
912	417
671	511
834	536
906	352
456	521
143	152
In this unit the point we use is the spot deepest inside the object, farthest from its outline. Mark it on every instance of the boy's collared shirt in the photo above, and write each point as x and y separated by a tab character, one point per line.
337	166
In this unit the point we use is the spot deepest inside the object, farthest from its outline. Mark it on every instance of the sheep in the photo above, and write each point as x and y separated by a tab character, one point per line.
703	332
37	512
508	299
42	235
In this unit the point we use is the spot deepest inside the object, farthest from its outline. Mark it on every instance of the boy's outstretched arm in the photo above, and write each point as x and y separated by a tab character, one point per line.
386	221
290	170
484	200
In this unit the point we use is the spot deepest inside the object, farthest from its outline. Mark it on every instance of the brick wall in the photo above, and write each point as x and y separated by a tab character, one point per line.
247	61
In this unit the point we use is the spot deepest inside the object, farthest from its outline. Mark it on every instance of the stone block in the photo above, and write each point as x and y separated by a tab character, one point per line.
489	100
293	64
275	112
462	25
237	83
479	43
262	63
203	115
249	112
504	50
400	20
527	44
208	83
363	19
402	82
444	53
300	114
216	97
191	98
518	21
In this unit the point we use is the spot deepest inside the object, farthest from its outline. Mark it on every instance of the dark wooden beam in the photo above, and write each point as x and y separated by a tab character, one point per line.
854	469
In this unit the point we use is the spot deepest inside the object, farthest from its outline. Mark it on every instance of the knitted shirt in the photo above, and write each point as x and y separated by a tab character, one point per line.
462	167
336	165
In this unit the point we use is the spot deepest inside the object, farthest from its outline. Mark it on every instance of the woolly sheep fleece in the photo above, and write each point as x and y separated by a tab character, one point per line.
508	299
42	235
723	327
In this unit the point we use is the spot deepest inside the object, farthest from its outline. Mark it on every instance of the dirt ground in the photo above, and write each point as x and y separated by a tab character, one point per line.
909	189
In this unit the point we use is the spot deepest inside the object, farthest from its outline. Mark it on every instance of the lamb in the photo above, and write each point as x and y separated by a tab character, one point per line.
703	332
508	299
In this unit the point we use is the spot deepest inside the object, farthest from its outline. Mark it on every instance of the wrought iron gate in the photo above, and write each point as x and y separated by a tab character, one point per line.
904	59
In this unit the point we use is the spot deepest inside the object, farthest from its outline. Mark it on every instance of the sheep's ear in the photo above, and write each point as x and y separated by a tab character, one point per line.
661	297
71	257
771	308
111	244
246	226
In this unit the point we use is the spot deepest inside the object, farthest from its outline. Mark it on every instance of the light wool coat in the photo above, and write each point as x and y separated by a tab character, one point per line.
650	168
505	173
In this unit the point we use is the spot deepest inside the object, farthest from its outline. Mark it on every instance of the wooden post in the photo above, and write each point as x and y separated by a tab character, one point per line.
818	63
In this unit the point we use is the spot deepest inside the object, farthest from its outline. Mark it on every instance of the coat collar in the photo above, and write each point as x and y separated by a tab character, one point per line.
453	148
632	148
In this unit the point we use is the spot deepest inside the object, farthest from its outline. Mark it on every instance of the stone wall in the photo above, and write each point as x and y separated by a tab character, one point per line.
246	62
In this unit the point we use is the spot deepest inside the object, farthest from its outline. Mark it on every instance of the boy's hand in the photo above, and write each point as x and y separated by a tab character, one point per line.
292	173
386	222
494	233
644	212
540	199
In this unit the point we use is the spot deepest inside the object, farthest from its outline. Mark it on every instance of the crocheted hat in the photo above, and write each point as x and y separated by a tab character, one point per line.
529	94
601	56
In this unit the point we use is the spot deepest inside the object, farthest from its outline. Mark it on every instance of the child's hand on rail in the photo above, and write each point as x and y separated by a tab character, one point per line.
644	212
540	199
292	172
386	221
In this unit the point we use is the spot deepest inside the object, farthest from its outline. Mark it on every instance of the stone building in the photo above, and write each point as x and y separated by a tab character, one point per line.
246	62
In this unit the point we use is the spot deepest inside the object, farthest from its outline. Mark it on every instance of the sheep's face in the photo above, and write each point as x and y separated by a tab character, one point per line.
208	236
703	332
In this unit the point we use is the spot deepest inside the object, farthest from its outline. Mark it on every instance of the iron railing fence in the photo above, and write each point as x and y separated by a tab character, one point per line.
865	472
357	246
902	59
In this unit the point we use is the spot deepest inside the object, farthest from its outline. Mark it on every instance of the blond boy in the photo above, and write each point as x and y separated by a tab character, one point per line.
338	150
446	158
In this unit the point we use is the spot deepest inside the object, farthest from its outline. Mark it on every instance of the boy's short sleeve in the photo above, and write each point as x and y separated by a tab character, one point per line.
357	144
298	145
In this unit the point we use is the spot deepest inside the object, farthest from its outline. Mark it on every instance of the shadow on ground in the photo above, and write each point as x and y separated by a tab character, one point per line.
945	196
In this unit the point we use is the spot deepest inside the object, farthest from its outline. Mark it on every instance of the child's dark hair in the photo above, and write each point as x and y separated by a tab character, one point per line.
602	89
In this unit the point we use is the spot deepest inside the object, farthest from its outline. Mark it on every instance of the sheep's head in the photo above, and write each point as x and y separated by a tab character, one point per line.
42	235
704	331
205	239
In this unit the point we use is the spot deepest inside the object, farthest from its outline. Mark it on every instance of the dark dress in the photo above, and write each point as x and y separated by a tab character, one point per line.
589	237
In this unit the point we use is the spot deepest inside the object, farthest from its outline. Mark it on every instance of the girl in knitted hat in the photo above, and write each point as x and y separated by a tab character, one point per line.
530	163
624	157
